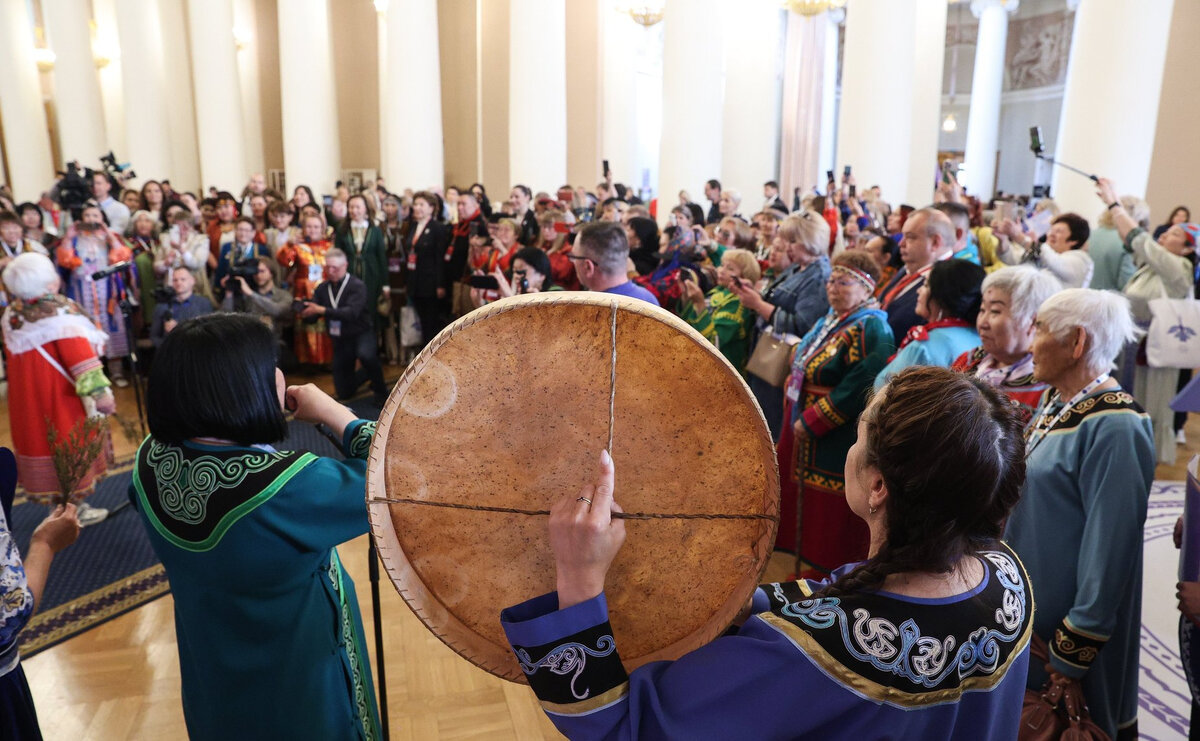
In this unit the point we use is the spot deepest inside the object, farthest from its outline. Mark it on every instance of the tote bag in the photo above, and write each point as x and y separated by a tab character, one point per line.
1174	337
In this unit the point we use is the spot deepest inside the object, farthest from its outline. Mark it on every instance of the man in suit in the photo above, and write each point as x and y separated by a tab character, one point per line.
771	199
712	191
928	237
342	301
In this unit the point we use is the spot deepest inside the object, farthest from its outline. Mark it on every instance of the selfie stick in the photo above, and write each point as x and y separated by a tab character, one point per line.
1063	165
373	576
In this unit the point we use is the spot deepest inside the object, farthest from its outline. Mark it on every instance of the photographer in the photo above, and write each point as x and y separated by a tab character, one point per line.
342	301
266	300
182	306
241	253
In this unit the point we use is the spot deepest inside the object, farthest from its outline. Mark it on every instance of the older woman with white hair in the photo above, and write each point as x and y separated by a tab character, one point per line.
55	376
1004	358
792	301
1078	526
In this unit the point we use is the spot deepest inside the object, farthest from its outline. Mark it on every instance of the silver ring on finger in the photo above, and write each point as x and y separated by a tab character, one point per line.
584	499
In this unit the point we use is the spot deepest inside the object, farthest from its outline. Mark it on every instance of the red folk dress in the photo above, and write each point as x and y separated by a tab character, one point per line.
46	391
304	265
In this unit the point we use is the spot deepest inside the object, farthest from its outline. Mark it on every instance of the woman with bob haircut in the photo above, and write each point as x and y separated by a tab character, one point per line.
1078	525
266	619
1004	360
927	638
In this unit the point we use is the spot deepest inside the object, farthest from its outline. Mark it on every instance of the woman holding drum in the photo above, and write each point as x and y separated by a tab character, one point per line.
927	638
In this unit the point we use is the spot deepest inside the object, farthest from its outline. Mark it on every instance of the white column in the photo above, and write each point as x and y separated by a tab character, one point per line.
754	31
618	114
219	128
181	105
803	115
413	105
106	47
537	97
26	138
246	24
829	99
693	95
381	44
987	82
311	148
79	112
1117	143
146	124
928	36
888	123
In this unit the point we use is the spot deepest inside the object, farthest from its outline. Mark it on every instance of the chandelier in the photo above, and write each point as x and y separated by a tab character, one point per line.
644	14
813	7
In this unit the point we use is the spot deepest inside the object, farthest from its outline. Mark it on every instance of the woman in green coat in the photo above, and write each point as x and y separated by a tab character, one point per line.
366	251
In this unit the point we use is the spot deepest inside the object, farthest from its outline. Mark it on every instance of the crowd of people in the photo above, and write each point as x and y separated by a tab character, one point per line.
1007	333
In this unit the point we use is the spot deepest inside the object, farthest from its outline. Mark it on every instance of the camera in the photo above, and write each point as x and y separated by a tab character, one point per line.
164	294
74	190
246	270
113	168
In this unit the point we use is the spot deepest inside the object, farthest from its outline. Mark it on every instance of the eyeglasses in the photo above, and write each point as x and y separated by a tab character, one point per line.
580	257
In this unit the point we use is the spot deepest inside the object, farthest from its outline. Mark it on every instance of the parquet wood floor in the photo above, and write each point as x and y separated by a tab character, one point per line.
121	680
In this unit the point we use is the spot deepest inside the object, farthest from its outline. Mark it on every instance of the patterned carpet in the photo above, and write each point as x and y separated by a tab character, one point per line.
1164	701
112	569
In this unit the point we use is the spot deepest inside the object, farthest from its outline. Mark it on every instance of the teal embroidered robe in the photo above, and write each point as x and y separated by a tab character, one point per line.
266	619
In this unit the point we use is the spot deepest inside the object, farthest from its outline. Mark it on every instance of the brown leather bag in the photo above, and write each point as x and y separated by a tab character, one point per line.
1058	710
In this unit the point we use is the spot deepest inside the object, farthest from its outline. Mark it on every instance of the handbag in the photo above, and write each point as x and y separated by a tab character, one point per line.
771	360
1174	337
410	327
1058	710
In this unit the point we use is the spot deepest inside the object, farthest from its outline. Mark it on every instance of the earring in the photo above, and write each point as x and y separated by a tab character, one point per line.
874	510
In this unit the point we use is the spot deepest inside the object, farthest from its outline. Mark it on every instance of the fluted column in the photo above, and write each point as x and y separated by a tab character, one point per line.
987	82
247	65
219	128
147	127
537	97
1118	141
311	147
106	47
693	85
888	123
618	106
754	31
412	118
181	104
80	114
26	138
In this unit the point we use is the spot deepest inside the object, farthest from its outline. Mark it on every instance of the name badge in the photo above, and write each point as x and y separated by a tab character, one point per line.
412	260
315	273
335	327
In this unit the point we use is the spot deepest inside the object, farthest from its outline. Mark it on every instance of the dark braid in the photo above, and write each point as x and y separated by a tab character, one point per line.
950	451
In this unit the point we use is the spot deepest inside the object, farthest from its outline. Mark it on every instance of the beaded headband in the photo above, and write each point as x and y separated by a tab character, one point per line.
858	275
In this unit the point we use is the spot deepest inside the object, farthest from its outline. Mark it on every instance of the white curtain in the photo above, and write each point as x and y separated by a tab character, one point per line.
803	91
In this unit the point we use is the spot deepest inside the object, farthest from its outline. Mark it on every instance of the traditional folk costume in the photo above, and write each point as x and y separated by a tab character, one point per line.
266	619
848	667
1016	380
277	239
78	257
366	259
142	249
52	350
18	715
1078	530
828	388
937	343
725	322
304	264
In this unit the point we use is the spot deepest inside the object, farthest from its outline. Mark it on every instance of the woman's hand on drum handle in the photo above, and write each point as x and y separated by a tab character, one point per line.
310	404
585	537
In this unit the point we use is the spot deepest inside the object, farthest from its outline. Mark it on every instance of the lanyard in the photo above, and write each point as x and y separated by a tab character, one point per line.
904	285
1039	425
333	300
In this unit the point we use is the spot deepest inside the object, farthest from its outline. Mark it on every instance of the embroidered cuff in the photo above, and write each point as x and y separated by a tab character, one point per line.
356	440
91	382
1073	650
569	656
815	420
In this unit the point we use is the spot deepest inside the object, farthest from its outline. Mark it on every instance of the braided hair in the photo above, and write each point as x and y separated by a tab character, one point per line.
951	454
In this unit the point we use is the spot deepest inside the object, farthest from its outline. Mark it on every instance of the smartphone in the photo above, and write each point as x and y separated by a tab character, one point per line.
487	282
298	306
606	170
946	167
829	176
328	201
846	171
1035	139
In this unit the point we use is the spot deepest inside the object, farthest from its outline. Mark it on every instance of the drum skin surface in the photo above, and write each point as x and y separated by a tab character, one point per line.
508	409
